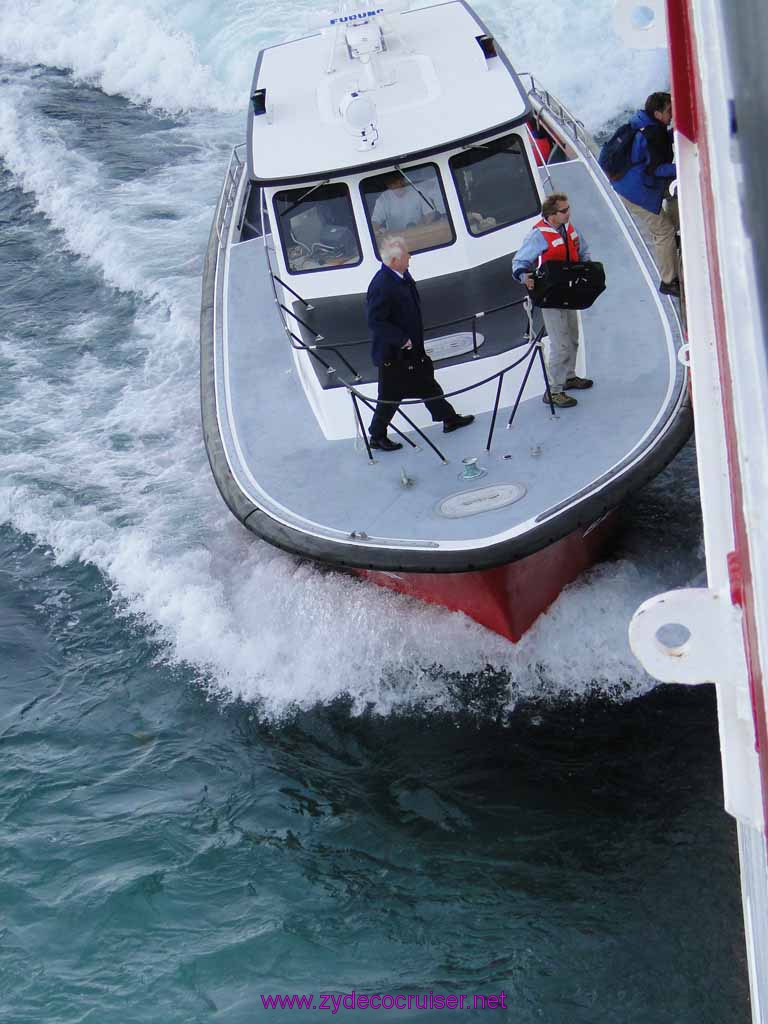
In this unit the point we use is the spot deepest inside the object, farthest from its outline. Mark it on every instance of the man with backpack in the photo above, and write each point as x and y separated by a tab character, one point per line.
639	160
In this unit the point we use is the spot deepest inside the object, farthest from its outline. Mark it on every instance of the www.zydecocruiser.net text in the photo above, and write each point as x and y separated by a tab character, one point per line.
333	1002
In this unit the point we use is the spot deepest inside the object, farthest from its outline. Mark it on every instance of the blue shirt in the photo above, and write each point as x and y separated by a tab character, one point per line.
526	258
637	185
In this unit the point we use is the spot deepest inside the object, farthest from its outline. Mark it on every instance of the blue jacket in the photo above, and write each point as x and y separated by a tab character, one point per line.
638	185
394	315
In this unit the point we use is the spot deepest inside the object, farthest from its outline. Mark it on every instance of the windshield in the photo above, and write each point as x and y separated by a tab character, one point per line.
409	203
495	184
317	227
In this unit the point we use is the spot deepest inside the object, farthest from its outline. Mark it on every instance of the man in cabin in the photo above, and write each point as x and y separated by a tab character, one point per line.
405	370
554	238
405	203
645	184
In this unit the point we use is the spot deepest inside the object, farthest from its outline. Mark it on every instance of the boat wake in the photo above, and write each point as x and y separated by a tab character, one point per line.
101	456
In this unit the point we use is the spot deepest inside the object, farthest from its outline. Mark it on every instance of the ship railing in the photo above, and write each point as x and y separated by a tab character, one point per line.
533	352
470	318
543	98
226	204
321	343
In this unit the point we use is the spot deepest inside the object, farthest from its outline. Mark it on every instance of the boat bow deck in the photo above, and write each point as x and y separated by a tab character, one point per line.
328	490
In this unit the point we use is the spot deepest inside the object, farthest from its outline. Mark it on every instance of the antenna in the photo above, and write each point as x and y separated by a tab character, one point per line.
363	26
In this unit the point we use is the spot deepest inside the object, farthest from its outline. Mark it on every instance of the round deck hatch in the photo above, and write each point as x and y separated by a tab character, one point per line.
480	499
450	345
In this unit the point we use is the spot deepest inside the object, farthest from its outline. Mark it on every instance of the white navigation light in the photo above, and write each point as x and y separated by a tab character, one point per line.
358	112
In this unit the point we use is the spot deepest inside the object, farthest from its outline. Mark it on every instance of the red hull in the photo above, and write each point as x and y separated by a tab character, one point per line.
509	598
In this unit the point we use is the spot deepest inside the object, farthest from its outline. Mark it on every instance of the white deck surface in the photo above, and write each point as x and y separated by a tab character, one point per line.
282	460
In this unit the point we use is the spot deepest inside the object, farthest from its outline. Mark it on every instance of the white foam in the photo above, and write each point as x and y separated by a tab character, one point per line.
124	49
573	50
117	475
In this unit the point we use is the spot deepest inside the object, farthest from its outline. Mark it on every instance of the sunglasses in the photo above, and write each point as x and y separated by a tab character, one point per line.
565	209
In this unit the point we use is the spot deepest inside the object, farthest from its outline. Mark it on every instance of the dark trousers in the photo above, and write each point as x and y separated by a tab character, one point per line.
408	379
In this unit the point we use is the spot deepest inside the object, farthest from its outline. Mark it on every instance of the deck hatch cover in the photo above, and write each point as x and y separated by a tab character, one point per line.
480	499
449	345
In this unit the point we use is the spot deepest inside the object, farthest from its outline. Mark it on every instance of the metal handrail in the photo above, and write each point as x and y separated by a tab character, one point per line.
311	349
474	317
307	305
559	110
229	191
531	353
534	351
305	325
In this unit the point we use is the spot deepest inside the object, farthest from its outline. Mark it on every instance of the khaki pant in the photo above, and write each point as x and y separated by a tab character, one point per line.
662	227
563	330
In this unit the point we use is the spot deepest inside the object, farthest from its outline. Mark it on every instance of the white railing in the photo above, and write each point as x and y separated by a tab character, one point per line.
573	126
228	192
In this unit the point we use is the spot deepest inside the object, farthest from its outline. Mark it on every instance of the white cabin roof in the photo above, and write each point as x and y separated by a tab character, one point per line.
435	87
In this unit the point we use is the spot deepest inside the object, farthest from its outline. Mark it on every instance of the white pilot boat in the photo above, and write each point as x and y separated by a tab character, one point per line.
496	518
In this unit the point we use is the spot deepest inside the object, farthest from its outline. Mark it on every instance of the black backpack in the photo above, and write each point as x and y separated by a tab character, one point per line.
616	155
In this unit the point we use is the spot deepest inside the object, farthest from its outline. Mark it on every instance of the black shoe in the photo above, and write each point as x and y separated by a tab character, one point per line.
383	444
578	383
673	288
456	423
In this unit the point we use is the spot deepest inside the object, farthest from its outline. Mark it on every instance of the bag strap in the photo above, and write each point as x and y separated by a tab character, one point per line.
567	240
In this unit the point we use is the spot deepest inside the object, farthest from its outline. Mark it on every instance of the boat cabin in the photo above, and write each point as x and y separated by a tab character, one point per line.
379	137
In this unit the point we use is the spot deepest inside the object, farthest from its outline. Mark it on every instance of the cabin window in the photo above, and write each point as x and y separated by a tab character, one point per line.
409	203
495	184
317	228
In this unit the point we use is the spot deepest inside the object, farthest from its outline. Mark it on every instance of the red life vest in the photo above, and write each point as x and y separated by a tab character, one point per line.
542	145
555	245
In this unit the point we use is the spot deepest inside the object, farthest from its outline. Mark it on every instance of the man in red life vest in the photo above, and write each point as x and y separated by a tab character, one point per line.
547	240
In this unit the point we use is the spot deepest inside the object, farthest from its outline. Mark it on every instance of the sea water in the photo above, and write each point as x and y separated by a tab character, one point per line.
228	774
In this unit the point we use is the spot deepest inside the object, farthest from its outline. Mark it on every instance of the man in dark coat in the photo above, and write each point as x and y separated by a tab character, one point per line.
405	370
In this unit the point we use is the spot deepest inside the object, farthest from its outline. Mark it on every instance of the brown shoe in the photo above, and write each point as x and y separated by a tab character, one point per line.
559	399
578	383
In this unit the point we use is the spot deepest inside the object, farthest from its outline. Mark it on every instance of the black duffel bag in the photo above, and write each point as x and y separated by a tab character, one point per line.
565	285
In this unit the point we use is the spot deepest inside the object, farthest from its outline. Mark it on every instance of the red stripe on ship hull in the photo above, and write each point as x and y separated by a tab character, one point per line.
509	598
683	65
683	50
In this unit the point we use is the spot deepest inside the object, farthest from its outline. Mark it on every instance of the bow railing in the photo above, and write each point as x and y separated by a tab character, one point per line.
226	204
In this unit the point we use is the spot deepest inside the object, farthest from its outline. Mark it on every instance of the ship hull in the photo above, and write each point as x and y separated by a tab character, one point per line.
509	598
